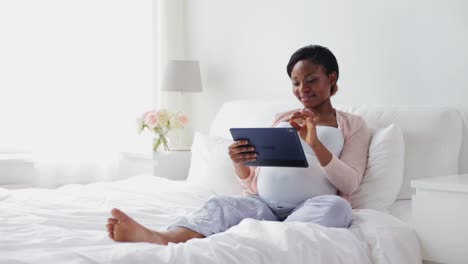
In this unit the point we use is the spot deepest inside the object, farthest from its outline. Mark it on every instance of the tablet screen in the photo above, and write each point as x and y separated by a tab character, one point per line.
275	146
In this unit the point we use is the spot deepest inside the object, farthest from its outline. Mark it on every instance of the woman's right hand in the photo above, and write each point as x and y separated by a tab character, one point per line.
240	151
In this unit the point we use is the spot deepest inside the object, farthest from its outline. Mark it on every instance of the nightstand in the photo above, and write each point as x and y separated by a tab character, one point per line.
173	164
440	217
134	163
17	171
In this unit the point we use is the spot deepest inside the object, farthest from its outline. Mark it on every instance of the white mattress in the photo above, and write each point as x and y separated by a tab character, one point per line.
67	225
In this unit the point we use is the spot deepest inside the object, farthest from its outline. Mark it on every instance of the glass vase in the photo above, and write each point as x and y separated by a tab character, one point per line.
161	140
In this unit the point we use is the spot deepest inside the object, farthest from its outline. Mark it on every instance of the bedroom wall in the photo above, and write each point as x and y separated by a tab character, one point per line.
389	52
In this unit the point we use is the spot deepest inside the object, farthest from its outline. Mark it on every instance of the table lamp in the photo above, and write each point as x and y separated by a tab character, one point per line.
182	76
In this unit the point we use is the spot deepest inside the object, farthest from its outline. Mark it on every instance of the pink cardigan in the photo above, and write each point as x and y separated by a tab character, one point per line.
344	172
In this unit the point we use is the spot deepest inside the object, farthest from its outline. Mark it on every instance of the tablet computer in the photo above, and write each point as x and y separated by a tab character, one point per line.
275	146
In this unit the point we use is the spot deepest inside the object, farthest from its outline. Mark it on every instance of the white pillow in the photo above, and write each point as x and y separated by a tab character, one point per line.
383	177
211	166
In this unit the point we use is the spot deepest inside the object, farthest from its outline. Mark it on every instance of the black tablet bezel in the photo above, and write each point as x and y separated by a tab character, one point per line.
259	136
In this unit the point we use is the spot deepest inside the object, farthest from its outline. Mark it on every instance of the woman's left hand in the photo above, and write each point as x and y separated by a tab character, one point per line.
307	128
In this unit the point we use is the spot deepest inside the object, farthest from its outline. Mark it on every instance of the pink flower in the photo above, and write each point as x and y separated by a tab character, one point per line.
183	119
147	113
151	119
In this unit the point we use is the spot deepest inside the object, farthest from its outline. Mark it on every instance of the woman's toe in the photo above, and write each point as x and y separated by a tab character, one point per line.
112	221
118	215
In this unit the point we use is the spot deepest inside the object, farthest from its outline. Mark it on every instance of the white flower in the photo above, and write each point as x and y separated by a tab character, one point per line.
163	118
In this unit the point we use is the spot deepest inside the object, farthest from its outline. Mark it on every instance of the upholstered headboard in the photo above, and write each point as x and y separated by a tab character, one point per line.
436	137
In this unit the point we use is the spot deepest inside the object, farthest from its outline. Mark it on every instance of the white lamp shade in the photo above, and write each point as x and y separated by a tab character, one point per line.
182	76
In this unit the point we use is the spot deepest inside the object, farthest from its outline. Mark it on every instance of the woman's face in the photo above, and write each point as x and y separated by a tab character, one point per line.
311	84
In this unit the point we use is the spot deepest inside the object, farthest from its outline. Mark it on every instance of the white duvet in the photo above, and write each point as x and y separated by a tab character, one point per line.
67	225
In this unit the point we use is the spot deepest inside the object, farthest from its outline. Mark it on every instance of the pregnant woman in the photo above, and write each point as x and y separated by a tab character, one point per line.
336	145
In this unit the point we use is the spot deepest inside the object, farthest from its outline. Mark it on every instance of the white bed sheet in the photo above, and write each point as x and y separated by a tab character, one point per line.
402	209
67	225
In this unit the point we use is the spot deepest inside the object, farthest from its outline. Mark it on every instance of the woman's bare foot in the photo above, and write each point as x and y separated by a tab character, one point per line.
122	228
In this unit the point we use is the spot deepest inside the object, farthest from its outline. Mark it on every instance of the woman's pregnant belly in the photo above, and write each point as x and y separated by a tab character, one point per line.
291	186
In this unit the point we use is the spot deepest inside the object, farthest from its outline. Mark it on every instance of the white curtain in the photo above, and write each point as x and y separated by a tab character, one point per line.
74	75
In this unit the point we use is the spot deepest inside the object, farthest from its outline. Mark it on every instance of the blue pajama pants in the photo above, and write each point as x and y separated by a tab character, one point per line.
220	213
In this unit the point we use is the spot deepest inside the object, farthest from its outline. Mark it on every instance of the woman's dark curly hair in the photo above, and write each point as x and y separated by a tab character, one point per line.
318	55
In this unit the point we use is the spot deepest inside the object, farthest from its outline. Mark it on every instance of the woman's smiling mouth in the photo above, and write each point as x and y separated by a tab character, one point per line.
305	98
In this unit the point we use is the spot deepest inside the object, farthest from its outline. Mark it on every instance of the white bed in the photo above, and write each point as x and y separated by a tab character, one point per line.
402	209
67	225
